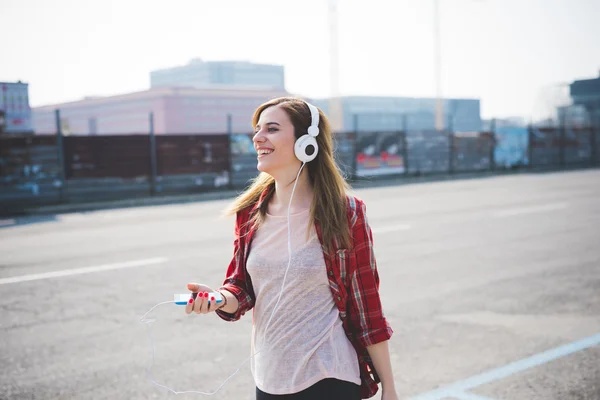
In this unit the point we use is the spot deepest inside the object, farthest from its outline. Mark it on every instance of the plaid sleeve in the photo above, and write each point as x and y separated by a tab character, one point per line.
237	280
366	312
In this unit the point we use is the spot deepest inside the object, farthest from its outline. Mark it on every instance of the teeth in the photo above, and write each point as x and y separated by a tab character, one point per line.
261	152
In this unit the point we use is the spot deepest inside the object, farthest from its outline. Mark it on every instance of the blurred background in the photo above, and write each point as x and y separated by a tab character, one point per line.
114	100
126	103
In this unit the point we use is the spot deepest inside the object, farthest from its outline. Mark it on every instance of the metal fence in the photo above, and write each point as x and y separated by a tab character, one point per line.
54	169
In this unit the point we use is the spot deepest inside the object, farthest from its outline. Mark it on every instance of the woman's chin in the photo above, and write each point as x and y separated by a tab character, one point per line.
261	167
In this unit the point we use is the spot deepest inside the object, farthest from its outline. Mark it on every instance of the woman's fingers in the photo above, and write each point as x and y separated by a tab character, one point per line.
201	304
213	304
189	307
198	303
193	287
205	303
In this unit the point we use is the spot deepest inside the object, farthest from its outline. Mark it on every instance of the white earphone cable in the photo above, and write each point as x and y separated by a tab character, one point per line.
150	321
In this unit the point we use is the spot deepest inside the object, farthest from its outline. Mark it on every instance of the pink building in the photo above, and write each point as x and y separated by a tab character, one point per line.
176	111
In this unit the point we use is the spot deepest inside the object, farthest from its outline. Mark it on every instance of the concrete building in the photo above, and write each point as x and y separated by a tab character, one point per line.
586	93
15	113
370	113
175	111
205	74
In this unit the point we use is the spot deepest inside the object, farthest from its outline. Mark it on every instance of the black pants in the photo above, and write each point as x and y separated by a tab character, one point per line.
327	389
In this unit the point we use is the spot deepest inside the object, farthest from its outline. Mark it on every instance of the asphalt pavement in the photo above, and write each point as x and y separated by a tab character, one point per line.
492	287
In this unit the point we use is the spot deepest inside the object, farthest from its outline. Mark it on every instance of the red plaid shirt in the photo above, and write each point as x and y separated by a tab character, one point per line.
353	280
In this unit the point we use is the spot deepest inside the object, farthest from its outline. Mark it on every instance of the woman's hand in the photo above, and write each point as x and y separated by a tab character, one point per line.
200	305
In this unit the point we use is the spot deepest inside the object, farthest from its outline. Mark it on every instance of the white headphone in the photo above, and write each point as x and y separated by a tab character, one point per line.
306	147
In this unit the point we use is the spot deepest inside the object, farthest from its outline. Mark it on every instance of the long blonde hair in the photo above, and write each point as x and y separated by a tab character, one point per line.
328	208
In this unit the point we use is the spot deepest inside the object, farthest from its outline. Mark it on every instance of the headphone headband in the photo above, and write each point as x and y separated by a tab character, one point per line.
313	130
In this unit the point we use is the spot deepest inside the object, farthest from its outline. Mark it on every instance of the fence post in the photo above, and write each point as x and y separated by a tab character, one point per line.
230	163
61	156
493	146
405	143
153	160
530	139
563	138
354	144
451	152
595	122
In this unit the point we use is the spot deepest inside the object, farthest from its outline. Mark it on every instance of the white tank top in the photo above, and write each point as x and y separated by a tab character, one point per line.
305	341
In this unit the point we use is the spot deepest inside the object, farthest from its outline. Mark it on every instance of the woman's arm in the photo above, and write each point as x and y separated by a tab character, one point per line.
380	355
371	327
237	287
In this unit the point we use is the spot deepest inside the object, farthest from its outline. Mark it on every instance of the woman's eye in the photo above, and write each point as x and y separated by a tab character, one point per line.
272	129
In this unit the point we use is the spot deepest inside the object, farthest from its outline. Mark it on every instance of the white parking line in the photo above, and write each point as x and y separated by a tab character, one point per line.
508	370
510	212
85	270
385	229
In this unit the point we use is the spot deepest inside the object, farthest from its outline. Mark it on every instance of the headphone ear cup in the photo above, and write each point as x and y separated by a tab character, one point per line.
306	148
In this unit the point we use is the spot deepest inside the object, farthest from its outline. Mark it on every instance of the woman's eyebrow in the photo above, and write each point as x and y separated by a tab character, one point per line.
268	123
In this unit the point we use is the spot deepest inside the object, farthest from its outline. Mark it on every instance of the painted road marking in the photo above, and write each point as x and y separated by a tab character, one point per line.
85	270
510	369
510	212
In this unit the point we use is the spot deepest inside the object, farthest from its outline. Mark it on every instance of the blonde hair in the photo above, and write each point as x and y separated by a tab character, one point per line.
329	186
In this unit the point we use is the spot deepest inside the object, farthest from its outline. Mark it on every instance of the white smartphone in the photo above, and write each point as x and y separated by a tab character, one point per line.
183	299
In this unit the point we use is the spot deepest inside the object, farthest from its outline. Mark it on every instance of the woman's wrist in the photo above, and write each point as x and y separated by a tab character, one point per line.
231	303
224	299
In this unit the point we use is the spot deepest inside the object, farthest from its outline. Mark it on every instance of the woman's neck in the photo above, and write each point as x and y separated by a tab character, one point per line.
303	195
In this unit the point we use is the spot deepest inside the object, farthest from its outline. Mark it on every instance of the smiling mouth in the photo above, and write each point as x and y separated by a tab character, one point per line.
263	153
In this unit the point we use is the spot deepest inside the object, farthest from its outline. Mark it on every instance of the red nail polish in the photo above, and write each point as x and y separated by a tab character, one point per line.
212	298
190	301
206	294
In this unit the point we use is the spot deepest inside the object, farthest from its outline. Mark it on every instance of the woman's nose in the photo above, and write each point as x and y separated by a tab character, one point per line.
258	137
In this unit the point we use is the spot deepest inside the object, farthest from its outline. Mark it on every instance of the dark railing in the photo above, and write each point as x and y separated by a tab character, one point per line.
124	166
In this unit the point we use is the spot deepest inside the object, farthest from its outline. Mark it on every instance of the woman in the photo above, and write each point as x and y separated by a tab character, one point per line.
318	327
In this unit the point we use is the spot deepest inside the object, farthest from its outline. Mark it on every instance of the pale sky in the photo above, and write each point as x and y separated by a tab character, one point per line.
512	54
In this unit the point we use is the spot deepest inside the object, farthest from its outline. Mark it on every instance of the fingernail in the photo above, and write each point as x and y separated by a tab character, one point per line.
206	294
190	301
212	298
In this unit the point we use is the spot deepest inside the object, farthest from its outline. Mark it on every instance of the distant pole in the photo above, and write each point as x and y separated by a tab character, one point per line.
336	115
562	131
493	145
437	48
594	136
530	144
439	107
451	152
355	144
230	155
153	158
405	142
60	151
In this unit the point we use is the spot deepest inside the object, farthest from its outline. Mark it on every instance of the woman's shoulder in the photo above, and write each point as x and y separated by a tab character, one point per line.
355	207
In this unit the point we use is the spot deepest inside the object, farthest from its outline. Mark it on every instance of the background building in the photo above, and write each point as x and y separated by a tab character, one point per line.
369	113
586	94
175	110
15	113
206	74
